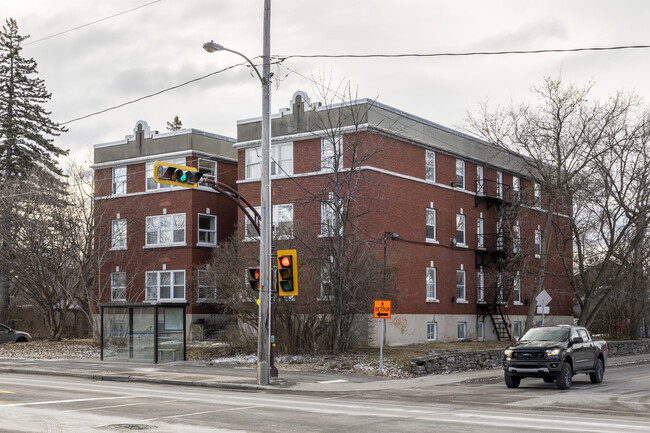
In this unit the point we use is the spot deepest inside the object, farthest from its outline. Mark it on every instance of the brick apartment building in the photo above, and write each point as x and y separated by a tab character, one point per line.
150	238
458	219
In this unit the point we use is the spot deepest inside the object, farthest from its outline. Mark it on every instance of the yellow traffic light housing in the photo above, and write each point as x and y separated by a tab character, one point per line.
174	174
287	273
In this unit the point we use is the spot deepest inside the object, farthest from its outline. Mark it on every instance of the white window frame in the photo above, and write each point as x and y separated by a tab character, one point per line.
461	235
430	166
118	286
432	331
331	154
516	289
211	233
538	196
480	331
151	184
500	238
461	328
325	282
156	222
431	284
499	184
538	243
516	328
206	283
480	180
119	234
480	233
328	217
516	188
282	159
209	169
155	289
460	174
516	239
430	225
500	299
461	286
480	287
118	180
252	163
283	226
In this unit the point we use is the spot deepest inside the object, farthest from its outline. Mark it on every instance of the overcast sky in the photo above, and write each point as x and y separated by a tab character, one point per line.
159	46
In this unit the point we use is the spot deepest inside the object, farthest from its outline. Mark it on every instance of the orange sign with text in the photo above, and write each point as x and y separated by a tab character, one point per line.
381	309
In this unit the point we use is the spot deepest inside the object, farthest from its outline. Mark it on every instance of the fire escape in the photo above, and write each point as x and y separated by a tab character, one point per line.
499	253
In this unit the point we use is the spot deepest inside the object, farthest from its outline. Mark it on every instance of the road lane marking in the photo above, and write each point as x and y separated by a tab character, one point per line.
333	381
643	377
2	391
199	413
78	400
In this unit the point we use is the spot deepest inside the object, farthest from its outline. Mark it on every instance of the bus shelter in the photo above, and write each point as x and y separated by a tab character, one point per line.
143	332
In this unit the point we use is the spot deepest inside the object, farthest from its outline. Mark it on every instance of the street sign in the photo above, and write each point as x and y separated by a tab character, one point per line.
544	310
543	298
381	309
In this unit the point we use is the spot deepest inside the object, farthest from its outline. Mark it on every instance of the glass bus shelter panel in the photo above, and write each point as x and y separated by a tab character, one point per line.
143	334
116	333
170	334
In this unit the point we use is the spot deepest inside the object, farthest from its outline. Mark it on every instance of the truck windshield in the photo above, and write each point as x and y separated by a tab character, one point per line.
546	334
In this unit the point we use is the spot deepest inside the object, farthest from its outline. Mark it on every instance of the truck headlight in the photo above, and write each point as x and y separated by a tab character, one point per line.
507	352
552	352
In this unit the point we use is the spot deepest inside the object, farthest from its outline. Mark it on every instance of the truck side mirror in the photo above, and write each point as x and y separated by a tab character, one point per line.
575	340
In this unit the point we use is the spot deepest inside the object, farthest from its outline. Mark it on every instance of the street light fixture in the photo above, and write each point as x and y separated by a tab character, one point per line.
263	333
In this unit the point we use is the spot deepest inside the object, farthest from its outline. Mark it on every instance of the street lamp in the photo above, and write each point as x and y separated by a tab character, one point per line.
263	329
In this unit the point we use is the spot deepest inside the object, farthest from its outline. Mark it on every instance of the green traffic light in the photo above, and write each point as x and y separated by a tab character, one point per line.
185	176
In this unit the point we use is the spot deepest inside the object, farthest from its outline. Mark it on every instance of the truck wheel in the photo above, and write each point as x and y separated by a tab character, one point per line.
549	379
564	378
512	382
599	371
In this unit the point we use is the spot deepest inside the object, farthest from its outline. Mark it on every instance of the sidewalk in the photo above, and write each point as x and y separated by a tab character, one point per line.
191	373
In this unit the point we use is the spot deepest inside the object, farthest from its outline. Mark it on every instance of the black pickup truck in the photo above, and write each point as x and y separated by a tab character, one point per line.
555	354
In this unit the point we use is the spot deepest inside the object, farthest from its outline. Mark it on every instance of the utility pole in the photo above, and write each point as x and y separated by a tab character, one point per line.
263	328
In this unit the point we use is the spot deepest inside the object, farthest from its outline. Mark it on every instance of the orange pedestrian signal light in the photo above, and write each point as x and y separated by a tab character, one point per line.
175	174
287	273
254	279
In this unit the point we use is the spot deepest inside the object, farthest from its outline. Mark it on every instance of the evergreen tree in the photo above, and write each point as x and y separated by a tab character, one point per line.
175	125
25	126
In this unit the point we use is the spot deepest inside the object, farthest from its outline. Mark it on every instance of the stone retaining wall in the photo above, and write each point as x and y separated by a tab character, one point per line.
447	361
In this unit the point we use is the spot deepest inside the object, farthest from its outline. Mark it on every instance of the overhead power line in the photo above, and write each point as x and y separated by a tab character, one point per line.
465	54
91	23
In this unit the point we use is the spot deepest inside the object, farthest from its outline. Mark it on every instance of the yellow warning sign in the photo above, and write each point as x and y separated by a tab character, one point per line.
381	309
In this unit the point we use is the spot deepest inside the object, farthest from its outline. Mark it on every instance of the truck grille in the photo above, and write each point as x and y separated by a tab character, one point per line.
528	355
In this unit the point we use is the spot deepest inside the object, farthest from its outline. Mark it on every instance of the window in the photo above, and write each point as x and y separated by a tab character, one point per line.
330	218
206	281
283	221
500	288
538	244
516	239
209	170
430	165
460	174
165	230
480	331
480	187
119	181
118	236
165	286
431	284
516	289
460	229
282	159
516	328
516	188
462	330
500	240
432	331
326	282
480	286
118	286
538	196
207	230
253	161
460	286
431	224
152	185
331	157
499	184
480	235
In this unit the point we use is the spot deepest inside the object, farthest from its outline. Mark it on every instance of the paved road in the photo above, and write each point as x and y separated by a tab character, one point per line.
469	402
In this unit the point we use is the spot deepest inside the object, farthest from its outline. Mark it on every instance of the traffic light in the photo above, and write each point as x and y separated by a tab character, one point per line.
174	174
254	279
287	273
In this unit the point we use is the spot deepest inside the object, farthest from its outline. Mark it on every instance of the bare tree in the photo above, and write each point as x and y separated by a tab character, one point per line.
558	141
